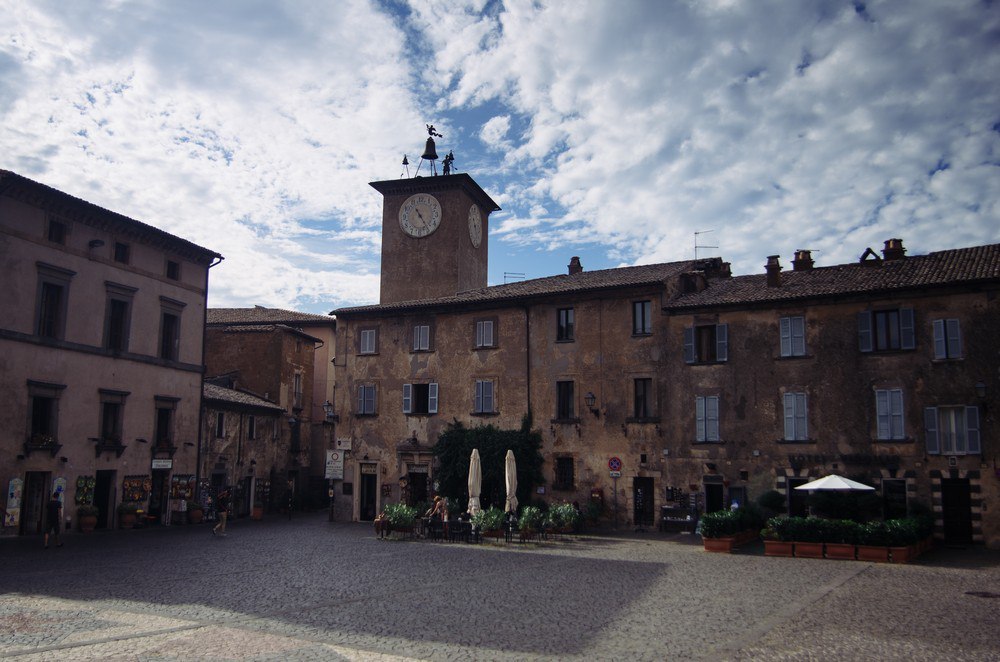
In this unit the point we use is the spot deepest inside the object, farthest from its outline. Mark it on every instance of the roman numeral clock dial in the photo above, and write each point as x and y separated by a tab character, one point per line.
420	215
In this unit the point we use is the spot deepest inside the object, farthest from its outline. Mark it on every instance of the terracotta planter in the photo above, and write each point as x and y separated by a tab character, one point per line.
87	523
779	548
195	516
903	554
722	545
257	513
873	553
808	550
126	521
843	551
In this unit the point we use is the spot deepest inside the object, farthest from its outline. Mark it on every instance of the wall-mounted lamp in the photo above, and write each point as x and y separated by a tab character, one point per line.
292	421
95	243
981	390
328	410
591	401
756	453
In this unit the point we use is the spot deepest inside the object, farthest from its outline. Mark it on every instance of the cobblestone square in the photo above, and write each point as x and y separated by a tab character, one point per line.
306	589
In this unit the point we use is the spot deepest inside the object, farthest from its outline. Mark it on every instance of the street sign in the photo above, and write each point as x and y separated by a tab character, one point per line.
615	464
615	474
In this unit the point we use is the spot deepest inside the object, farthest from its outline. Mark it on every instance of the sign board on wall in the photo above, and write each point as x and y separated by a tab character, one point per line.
334	465
344	444
160	463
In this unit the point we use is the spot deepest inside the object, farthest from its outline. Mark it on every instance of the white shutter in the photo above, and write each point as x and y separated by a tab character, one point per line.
798	336
785	326
882	413
972	430
699	403
954	337
789	416
712	418
896	413
722	342
931	431
865	331
940	340
432	398
689	354
407	398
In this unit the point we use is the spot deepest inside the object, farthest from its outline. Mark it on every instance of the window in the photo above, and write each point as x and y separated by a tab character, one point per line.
57	232
564	326
952	430
220	425
421	338
170	328
112	415
367	342
420	398
643	401
251	427
708	343
796	419
947	339
889	412
885	330
642	322
43	424
793	336
53	295
164	434
484	333
121	252
707	418
483	402
564	401
366	400
118	316
564	474
173	270
297	391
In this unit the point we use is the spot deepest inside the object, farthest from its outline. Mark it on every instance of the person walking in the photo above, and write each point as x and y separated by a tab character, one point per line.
222	510
53	521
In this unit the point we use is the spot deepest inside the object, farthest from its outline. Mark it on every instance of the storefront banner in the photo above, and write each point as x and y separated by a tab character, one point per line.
334	465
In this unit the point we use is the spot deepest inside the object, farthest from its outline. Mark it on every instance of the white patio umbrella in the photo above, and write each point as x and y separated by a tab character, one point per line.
835	482
510	469
475	481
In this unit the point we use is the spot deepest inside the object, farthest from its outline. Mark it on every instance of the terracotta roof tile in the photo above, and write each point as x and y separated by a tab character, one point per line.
262	315
938	269
232	396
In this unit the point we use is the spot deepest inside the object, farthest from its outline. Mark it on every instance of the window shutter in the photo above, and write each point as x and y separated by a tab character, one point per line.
371	399
789	416
432	398
896	414
712	416
801	428
488	333
361	399
972	430
931	431
940	340
699	404
689	344
865	331
477	397
407	398
785	326
882	413
954	335
798	336
722	342
907	337
487	396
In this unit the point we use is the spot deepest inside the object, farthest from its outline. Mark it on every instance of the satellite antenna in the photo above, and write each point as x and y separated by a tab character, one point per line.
406	167
697	245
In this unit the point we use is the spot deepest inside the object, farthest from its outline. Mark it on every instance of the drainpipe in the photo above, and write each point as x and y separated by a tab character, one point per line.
201	384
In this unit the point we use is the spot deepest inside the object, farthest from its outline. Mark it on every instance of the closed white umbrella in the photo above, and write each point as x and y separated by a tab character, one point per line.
510	469
475	481
835	482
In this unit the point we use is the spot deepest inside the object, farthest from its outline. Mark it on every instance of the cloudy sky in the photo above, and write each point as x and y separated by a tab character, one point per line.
612	130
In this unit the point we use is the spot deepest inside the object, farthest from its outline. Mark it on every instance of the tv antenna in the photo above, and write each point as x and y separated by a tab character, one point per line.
697	245
512	275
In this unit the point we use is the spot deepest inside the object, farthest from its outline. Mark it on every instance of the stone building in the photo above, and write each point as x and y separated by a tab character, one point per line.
285	357
100	357
241	446
707	388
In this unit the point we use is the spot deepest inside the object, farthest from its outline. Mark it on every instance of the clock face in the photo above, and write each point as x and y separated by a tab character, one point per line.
420	215
475	226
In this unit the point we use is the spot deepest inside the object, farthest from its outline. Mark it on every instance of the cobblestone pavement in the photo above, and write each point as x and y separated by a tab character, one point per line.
306	589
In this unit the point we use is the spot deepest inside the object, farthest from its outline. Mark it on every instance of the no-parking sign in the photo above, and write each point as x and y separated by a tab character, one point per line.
615	464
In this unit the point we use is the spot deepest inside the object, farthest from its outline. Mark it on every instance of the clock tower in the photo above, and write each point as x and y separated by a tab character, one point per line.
434	237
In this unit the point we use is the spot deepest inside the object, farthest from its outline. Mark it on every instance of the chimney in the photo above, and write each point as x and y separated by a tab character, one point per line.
803	260
893	250
574	266
773	269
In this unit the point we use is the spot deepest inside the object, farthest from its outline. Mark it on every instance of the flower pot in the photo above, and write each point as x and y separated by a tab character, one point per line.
195	516
779	548
87	523
808	550
722	545
902	554
873	553
126	520
257	513
843	551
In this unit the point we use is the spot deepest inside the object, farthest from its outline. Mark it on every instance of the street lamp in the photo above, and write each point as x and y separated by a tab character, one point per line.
328	410
591	400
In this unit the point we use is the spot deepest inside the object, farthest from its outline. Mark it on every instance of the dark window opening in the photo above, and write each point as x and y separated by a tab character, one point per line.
642	322
173	270
564	401
121	252
643	405
117	325
169	336
50	311
164	427
57	232
564	328
564	478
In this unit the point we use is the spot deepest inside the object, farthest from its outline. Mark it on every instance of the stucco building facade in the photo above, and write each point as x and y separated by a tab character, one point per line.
100	357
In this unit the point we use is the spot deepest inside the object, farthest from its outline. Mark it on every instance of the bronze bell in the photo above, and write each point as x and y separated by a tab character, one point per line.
430	151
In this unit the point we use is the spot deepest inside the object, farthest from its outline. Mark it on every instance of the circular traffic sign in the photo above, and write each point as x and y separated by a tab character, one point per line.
615	464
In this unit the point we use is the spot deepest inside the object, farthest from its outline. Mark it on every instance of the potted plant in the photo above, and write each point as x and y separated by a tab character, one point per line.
718	530
841	538
489	522
126	514
776	537
195	512
808	534
400	517
873	541
565	517
86	517
531	519
903	538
